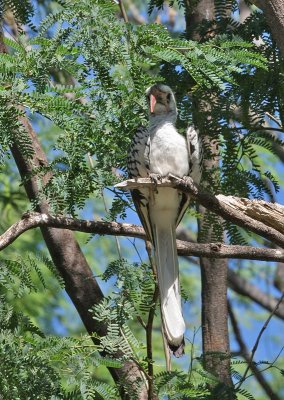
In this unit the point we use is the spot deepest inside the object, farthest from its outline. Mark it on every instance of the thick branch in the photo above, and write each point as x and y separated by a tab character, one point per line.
185	248
229	208
274	14
213	250
244	287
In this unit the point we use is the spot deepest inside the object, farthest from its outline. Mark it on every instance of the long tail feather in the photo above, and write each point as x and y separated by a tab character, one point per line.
168	281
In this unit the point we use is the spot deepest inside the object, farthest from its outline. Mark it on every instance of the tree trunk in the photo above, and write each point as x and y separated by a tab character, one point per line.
215	336
274	13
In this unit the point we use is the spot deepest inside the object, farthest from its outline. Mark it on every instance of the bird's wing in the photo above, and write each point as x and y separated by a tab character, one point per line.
138	167
194	145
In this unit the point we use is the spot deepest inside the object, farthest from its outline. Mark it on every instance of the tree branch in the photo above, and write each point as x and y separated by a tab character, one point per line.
245	288
212	250
185	248
122	10
245	354
79	280
258	340
274	14
254	215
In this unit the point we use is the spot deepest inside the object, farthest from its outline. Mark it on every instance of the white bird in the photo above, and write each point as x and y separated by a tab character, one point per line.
157	151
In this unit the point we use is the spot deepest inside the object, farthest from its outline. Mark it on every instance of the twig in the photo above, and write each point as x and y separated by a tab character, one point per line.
192	354
166	350
149	332
245	354
272	364
257	341
123	12
273	118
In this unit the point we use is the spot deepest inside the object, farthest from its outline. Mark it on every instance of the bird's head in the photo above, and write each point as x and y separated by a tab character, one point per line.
161	101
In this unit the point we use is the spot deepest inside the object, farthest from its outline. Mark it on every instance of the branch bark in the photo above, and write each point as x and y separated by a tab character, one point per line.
274	14
245	288
185	248
254	215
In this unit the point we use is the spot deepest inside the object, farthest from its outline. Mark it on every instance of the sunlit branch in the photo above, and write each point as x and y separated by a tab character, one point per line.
258	216
210	250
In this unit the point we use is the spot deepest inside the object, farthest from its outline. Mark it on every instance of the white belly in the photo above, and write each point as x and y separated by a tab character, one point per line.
168	152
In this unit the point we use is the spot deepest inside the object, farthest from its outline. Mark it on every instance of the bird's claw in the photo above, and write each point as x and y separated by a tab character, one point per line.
187	179
155	179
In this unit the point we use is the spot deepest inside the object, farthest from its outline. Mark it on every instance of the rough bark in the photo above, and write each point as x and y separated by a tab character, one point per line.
215	334
196	12
259	216
274	14
184	247
272	214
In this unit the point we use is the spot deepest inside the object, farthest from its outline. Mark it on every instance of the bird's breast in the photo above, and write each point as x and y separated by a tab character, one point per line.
168	152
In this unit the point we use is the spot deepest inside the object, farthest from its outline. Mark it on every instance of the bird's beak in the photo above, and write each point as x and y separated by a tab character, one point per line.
153	102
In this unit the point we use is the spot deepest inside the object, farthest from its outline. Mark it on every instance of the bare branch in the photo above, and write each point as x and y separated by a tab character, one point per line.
185	248
210	250
245	354
122	9
228	207
258	340
219	250
245	288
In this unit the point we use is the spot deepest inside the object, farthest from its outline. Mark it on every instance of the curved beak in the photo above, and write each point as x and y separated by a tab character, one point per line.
153	102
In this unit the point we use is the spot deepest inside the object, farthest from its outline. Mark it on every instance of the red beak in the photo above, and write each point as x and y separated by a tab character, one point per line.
153	102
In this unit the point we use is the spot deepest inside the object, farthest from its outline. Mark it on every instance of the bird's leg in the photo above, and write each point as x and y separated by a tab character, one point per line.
155	179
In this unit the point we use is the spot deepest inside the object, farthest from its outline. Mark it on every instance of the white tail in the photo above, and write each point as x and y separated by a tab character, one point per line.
168	281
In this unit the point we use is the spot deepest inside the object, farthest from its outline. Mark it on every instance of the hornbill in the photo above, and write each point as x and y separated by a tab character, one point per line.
155	152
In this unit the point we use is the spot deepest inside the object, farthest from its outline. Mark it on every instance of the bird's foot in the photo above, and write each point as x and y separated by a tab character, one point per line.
155	179
187	179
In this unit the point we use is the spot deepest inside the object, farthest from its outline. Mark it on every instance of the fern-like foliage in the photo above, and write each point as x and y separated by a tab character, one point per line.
108	65
36	366
84	72
22	10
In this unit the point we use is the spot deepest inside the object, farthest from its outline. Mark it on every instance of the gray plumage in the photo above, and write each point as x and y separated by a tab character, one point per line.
160	150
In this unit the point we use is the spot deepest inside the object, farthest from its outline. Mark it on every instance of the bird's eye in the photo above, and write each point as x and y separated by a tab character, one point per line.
168	97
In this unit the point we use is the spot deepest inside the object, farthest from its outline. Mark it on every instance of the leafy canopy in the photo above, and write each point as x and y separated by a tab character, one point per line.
107	64
104	66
